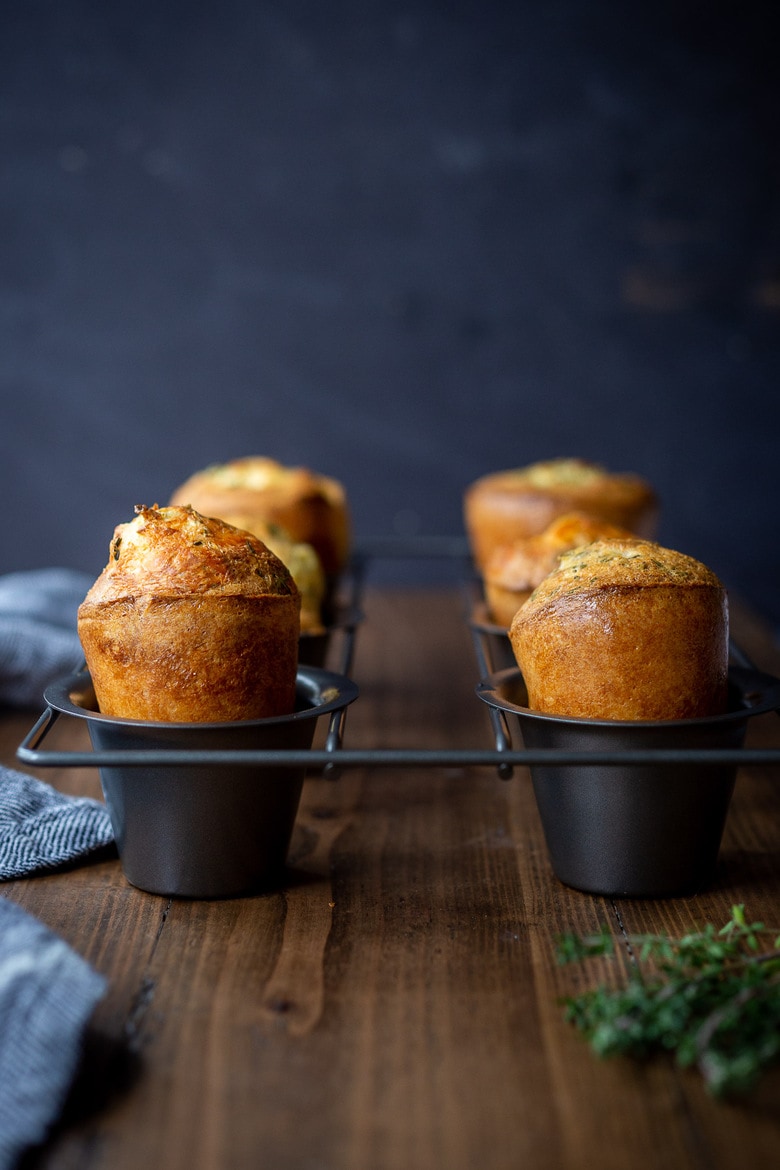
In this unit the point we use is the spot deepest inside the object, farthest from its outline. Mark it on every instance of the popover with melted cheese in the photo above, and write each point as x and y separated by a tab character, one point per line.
191	621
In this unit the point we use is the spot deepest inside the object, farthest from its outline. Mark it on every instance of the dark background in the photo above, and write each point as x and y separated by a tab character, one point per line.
405	244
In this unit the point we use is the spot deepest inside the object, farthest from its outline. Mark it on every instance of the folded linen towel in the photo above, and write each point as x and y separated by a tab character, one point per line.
47	995
41	828
38	638
47	992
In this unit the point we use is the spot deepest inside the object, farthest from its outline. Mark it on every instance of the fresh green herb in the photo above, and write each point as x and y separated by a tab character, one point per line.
712	998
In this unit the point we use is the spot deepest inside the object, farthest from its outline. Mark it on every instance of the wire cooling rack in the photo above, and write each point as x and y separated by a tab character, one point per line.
334	757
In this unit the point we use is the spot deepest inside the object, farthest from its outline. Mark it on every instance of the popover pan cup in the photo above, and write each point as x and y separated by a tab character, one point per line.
495	638
208	830
635	830
314	645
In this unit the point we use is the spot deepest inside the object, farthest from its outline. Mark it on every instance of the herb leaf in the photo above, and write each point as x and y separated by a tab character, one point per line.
712	998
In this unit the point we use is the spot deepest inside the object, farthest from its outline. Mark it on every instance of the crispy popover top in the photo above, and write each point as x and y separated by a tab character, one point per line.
174	552
612	564
571	478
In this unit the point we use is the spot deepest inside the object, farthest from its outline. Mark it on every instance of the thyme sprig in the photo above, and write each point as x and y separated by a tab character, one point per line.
710	998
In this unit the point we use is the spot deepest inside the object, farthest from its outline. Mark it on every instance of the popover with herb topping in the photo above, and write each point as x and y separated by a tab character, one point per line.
191	621
625	629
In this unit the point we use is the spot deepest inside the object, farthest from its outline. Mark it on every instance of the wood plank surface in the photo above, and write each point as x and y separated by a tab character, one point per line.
394	1005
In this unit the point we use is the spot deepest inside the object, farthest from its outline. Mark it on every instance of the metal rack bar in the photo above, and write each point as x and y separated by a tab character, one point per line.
387	757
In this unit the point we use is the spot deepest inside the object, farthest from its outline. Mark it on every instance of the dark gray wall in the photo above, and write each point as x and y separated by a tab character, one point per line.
405	244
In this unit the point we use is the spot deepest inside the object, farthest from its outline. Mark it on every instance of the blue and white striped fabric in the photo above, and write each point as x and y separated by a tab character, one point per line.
47	991
38	638
41	828
47	996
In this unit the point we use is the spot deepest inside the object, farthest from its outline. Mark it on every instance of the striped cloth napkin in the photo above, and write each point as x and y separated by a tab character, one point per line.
47	991
47	996
38	639
42	829
39	827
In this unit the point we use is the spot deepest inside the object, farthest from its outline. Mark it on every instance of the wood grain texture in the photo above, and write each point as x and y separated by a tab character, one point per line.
395	1004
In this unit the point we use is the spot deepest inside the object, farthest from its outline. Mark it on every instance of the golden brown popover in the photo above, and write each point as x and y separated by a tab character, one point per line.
302	561
311	508
625	629
191	621
514	570
508	505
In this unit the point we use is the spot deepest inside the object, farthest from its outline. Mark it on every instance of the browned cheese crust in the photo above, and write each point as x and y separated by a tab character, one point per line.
311	508
514	570
510	505
191	621
625	629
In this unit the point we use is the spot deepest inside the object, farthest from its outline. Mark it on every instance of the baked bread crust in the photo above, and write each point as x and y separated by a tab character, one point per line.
514	570
191	621
302	561
625	629
509	505
311	508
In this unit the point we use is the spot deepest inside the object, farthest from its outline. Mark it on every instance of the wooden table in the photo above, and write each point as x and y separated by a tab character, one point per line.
395	1005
